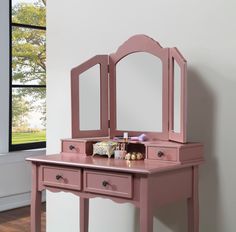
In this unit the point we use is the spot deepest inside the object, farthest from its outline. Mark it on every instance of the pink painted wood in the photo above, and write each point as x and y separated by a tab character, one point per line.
175	55
84	214
193	204
75	73
139	43
61	177
108	183
162	153
153	184
36	197
146	205
70	146
147	184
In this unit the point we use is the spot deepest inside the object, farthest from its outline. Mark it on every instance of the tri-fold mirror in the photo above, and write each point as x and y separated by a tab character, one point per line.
141	88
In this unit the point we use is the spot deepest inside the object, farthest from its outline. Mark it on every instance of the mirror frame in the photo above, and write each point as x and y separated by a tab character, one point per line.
181	136
140	43
137	43
102	60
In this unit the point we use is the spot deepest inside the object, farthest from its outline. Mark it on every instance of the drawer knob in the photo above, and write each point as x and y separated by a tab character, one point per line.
58	177
160	154
71	147
105	183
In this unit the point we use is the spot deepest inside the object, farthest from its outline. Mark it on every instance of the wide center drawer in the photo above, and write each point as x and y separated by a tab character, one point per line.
68	178
108	183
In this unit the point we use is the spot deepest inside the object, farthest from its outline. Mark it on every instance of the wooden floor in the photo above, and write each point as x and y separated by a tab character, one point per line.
18	220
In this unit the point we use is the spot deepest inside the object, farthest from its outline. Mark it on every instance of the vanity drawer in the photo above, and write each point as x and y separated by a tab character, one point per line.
73	147
108	183
67	178
162	153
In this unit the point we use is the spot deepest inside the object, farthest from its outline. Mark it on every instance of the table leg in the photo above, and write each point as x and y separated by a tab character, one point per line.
146	209
193	205
146	219
36	199
84	214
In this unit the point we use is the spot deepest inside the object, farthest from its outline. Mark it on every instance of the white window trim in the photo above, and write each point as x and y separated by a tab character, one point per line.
4	76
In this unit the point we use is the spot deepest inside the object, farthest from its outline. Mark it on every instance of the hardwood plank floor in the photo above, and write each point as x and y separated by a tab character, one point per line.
18	220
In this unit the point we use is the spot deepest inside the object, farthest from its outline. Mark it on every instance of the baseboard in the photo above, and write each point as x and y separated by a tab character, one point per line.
16	201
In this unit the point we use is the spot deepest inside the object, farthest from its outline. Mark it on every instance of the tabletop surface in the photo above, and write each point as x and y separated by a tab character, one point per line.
104	163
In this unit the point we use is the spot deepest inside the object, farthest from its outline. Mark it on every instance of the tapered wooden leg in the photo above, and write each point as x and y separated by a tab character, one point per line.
146	209
36	198
193	204
146	219
84	214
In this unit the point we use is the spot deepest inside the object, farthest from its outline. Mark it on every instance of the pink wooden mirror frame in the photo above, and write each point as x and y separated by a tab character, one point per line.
175	55
140	43
102	60
137	43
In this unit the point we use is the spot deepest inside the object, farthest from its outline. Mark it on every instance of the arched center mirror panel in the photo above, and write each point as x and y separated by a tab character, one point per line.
139	100
139	89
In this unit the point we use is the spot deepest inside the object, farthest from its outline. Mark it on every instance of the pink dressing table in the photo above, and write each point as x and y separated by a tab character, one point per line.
169	171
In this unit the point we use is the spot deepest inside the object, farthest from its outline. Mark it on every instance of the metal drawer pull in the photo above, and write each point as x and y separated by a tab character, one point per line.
58	177
160	154
71	147
105	183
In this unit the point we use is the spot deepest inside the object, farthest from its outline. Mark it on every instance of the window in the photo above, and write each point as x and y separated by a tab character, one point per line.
27	74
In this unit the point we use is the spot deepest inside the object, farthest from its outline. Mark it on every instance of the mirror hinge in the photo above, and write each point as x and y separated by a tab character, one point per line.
109	124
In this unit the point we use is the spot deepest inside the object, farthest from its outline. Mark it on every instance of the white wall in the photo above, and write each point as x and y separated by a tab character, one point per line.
204	32
4	74
15	179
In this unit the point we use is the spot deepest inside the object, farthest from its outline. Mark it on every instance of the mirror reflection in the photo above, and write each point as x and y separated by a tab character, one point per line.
139	93
89	99
177	97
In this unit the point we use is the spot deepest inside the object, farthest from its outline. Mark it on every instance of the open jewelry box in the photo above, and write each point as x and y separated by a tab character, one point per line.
139	89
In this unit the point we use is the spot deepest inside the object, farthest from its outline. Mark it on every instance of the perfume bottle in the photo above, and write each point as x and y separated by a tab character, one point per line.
125	137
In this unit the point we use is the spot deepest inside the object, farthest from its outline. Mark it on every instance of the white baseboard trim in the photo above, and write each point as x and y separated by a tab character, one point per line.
16	201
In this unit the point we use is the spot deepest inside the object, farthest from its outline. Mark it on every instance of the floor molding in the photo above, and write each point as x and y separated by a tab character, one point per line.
16	201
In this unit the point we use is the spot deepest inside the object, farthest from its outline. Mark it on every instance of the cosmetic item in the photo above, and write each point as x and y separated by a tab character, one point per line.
128	156
140	138
125	137
120	151
139	156
133	156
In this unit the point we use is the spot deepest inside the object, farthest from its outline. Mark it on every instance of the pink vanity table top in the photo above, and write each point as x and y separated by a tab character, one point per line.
102	163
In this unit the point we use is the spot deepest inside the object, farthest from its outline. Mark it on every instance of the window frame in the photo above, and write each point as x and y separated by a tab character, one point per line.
23	146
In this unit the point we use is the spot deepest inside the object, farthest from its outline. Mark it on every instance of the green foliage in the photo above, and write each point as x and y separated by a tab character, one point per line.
29	45
29	56
32	14
20	111
28	61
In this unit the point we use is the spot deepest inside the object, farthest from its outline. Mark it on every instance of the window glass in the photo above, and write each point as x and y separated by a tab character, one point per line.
28	56
27	126
28	115
30	12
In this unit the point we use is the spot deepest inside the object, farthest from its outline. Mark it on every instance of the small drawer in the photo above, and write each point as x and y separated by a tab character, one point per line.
61	177
73	147
108	183
162	153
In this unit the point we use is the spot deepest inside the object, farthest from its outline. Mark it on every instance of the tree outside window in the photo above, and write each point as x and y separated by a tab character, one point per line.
28	74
